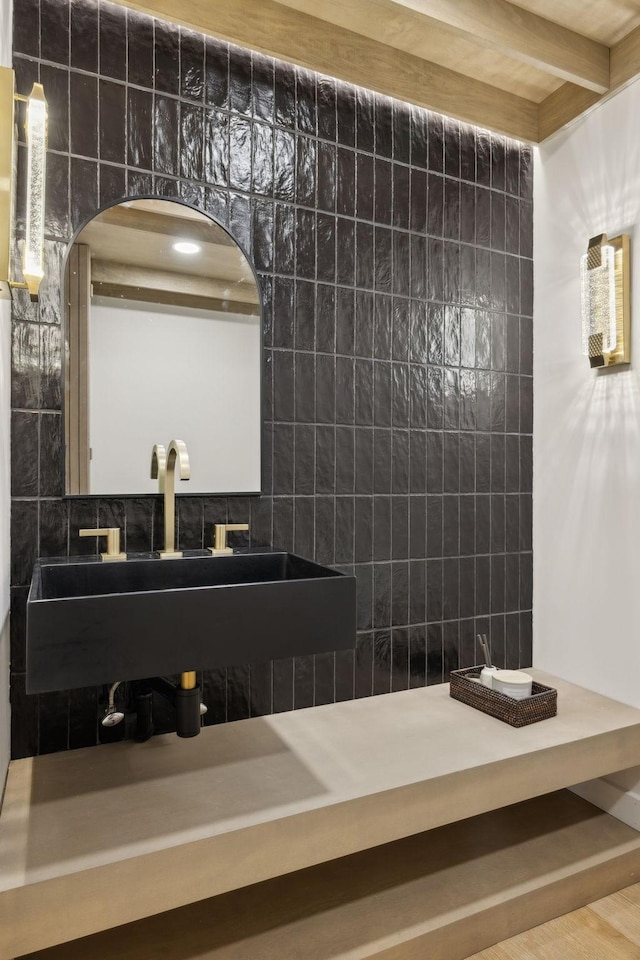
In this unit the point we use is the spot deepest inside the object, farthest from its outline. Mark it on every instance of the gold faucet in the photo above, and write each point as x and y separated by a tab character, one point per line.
163	469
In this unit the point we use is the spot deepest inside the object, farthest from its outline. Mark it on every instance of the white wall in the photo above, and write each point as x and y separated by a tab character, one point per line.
586	491
5	420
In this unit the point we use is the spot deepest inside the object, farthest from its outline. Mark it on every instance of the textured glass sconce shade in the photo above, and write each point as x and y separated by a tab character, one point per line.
33	261
598	303
7	151
36	131
604	277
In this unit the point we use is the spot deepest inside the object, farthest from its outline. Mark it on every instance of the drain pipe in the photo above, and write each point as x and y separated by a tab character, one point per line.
186	701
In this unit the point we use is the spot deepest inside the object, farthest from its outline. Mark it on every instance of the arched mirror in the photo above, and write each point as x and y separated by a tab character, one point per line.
163	341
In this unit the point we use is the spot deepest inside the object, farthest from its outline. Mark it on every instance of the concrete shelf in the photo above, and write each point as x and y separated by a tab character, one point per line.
127	831
441	895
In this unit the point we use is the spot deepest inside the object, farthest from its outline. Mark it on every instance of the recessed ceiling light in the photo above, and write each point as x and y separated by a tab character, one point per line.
186	246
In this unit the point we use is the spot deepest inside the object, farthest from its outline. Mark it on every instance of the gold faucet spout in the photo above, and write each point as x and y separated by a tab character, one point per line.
177	455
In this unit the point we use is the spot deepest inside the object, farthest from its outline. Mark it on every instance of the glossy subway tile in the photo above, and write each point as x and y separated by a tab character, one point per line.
394	256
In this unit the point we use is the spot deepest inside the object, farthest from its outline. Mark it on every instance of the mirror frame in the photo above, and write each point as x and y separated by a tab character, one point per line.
65	345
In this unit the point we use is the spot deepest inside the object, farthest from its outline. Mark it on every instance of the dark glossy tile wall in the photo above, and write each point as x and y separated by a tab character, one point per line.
394	254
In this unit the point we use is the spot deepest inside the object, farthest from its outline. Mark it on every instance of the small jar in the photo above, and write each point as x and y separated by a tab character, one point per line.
486	676
513	683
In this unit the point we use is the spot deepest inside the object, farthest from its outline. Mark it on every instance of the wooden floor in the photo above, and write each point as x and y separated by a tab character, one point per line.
608	929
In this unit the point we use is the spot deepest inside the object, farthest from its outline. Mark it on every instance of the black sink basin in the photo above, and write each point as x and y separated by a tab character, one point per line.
93	623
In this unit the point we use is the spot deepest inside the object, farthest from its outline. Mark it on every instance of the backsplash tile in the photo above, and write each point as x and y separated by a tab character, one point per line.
393	248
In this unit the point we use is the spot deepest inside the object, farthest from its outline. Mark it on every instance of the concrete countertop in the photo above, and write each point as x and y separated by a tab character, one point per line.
129	830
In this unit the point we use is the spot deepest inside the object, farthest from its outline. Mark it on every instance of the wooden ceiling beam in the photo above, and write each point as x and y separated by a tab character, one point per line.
287	34
570	101
109	273
176	298
625	59
562	106
524	36
167	225
498	24
400	26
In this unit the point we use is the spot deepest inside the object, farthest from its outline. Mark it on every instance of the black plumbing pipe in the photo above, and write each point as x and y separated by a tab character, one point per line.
188	712
165	688
186	703
143	698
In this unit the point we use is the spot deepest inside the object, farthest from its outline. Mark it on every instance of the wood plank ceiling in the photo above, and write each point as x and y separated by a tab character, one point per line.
525	69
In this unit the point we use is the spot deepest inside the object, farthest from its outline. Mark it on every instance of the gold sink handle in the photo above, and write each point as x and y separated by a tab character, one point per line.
220	531
113	541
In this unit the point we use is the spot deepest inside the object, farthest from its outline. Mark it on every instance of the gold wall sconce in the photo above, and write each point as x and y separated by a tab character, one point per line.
604	271
36	132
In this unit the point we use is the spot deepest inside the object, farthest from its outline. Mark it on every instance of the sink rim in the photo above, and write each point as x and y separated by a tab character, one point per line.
34	595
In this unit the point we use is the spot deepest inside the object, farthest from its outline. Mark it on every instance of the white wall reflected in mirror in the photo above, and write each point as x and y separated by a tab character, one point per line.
164	359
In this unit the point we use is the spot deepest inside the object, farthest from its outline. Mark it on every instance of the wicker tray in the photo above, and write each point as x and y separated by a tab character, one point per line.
542	704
